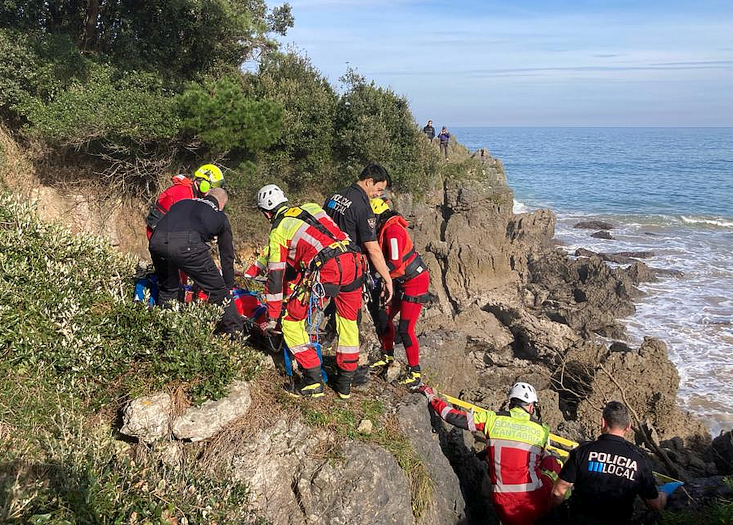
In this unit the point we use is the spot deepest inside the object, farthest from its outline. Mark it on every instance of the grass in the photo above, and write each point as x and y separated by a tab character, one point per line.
716	513
75	347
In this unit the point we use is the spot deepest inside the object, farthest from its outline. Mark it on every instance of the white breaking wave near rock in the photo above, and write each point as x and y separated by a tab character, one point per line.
519	207
723	223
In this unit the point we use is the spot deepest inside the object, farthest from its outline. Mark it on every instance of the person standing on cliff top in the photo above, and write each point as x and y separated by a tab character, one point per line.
520	469
429	130
444	141
606	476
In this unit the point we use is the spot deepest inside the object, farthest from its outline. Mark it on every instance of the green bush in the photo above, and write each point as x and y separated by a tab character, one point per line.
224	118
132	108
374	124
64	469
67	305
304	151
185	39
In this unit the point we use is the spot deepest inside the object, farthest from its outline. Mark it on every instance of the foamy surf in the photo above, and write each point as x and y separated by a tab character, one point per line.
519	207
692	314
723	223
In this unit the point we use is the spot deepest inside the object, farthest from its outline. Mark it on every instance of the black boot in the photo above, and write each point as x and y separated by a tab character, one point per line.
311	385
343	383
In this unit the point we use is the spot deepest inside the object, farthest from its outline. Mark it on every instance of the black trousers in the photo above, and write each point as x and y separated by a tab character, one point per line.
186	251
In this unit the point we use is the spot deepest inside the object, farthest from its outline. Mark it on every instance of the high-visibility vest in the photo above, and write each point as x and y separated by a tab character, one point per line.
516	447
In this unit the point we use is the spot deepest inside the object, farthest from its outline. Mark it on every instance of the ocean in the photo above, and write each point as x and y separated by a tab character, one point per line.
667	190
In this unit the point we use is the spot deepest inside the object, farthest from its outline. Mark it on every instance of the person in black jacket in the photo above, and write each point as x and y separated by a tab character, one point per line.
606	476
429	130
179	243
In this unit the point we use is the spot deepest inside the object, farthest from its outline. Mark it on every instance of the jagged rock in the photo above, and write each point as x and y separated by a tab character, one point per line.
603	234
394	370
535	338
641	273
292	484
484	328
647	380
148	418
447	503
700	492
594	225
201	423
444	355
585	293
723	452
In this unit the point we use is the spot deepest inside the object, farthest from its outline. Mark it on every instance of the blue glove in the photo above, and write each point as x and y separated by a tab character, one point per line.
670	487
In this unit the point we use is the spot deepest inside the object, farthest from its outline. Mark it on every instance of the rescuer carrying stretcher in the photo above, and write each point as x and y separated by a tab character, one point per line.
521	470
305	239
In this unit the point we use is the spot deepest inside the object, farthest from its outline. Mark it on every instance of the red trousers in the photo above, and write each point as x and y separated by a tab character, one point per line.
336	274
525	508
409	312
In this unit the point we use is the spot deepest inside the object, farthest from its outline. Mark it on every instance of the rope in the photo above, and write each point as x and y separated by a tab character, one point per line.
315	312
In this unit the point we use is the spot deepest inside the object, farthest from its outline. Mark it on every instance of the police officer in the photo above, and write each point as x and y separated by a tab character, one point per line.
179	243
606	476
351	211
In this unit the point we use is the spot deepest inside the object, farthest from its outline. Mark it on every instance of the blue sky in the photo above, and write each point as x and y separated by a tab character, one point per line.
533	63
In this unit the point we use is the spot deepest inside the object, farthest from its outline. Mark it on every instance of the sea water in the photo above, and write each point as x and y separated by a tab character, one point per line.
666	190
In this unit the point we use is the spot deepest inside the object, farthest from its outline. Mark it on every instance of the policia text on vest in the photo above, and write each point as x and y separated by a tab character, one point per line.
614	464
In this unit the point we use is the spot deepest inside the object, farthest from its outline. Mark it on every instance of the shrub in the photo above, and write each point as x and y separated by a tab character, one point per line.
67	305
130	109
304	151
374	124
224	118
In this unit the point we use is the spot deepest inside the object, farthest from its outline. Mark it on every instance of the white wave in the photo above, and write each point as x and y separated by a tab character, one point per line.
519	207
713	222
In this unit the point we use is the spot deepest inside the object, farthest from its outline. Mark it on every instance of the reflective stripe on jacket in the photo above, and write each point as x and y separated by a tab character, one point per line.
516	445
293	242
397	257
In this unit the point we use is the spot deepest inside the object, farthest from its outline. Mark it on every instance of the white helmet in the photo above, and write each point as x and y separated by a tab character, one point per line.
270	197
523	392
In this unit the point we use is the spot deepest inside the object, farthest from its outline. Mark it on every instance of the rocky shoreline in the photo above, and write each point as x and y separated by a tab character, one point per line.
507	305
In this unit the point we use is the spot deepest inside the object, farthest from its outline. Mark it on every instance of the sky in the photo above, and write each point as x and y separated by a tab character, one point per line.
532	63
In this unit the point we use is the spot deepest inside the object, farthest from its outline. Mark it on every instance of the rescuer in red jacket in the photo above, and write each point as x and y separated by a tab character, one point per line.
206	177
411	283
521	470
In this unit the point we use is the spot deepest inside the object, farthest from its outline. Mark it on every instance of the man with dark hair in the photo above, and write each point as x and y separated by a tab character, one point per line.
178	244
350	210
429	130
606	476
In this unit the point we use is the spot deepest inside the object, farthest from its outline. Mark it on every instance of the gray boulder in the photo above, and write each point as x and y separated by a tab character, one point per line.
594	225
201	423
148	418
292	483
448	505
723	452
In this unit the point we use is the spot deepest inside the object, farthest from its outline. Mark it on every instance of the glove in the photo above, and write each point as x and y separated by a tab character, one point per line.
270	328
253	271
427	391
669	488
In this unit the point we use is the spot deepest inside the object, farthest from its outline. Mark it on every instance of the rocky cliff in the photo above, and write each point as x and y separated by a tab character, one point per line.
507	305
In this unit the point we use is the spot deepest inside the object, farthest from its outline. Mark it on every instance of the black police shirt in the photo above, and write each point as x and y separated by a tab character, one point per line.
351	211
607	475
